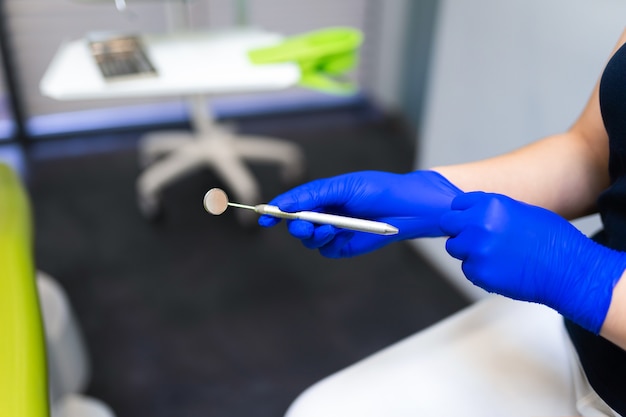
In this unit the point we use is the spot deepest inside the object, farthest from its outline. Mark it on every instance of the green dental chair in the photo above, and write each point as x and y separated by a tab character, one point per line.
43	362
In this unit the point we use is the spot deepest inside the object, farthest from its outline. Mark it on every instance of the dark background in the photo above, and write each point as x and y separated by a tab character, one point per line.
197	316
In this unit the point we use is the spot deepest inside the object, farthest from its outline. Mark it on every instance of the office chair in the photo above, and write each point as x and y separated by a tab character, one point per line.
168	156
42	356
322	57
196	65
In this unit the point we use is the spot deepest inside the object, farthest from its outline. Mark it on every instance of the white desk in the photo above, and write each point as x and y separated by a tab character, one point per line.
187	63
193	64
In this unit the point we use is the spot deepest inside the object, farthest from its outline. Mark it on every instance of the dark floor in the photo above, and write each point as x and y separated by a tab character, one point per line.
196	316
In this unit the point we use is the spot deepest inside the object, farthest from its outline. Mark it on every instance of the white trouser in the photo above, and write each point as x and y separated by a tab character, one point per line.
498	357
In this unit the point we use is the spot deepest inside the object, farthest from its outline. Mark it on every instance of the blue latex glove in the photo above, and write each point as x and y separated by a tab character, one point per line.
412	202
532	254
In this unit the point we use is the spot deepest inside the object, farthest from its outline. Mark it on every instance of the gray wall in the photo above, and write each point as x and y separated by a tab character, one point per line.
421	18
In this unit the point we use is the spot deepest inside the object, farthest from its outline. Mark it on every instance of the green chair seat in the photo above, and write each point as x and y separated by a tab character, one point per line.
23	376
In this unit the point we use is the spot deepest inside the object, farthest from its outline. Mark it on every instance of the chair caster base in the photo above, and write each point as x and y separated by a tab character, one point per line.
150	207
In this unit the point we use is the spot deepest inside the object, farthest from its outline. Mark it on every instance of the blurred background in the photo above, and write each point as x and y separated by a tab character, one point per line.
187	314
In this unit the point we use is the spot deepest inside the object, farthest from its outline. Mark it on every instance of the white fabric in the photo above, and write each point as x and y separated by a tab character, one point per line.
498	357
68	364
75	405
588	402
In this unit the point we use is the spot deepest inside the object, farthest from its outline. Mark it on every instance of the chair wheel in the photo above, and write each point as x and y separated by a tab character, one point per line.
145	160
294	174
150	207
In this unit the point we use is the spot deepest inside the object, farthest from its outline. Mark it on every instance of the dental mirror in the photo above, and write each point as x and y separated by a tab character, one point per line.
216	202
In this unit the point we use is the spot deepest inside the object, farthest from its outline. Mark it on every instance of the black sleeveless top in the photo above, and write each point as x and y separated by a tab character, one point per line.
605	363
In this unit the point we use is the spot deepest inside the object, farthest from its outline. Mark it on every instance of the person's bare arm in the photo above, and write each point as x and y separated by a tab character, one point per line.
564	173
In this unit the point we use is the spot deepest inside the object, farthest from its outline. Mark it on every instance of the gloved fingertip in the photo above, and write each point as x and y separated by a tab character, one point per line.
292	200
301	229
267	221
325	233
446	222
322	235
340	247
282	203
467	200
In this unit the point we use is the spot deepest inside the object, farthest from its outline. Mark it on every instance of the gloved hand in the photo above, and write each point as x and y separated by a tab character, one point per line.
412	202
532	254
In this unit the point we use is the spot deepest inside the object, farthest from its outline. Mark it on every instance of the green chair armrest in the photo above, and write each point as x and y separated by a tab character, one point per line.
23	372
323	56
